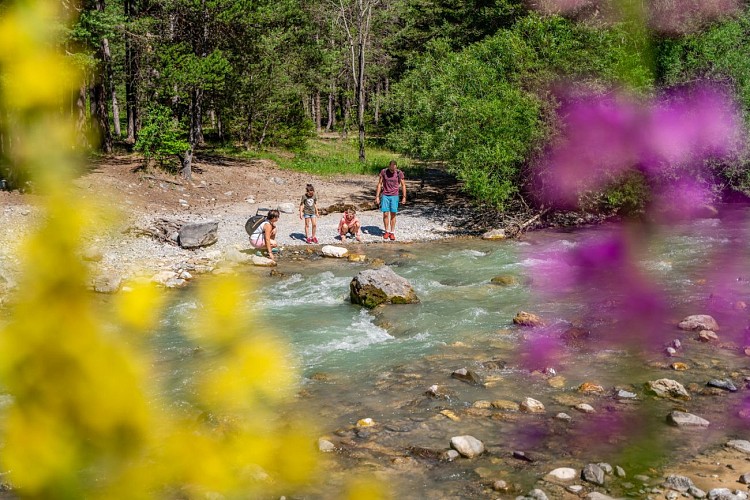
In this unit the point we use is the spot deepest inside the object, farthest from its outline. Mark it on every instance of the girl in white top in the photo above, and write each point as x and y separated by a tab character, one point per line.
265	235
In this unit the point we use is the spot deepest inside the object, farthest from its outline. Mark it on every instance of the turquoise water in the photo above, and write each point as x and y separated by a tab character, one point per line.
355	363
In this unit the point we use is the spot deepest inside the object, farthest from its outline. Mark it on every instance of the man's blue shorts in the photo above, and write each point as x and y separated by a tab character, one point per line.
389	204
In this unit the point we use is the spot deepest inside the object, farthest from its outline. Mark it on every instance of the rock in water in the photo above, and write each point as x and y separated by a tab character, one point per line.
667	388
468	446
699	322
334	251
524	318
592	473
684	419
199	234
373	287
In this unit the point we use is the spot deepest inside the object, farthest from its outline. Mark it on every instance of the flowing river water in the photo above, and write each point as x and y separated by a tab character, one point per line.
356	364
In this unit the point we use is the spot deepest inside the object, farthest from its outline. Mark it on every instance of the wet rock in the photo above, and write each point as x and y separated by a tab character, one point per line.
449	455
563	474
325	446
667	388
535	494
623	394
724	384
494	364
468	376
481	404
678	483
585	408
558	382
373	287
333	251
670	351
260	261
739	445
467	446
107	283
524	318
594	474
426	453
699	322
504	404
450	415
365	422
500	485
677	344
435	391
198	234
707	336
504	280
575	335
530	405
684	419
589	387
680	367
356	257
494	234
564	417
521	455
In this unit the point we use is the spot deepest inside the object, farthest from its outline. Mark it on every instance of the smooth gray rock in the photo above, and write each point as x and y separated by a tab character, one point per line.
725	384
468	376
373	287
326	446
286	208
107	283
684	419
620	472
697	492
592	473
699	322
468	446
679	483
535	494
740	445
726	494
623	394
200	234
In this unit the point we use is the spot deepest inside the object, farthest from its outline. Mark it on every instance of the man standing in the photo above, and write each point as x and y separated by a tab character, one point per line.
389	181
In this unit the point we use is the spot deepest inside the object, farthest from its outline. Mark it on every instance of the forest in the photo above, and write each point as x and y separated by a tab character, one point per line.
475	85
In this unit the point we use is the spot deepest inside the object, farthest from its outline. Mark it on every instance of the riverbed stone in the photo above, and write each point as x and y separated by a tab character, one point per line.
467	446
739	445
679	366
449	455
726	494
531	405
594	474
504	404
260	261
326	446
468	376
724	384
699	322
286	208
563	474
535	494
585	408
107	283
373	287
745	478
696	492
504	280
678	483
564	417
333	251
684	419
590	387
524	318
667	388
494	234
198	234
707	336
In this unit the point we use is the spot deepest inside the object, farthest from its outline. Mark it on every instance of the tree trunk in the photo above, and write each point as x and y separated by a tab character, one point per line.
198	116
331	114
131	70
361	101
81	136
318	118
99	102
378	90
187	160
111	87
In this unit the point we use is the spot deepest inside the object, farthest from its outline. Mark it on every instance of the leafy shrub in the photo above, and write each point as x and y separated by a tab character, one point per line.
160	138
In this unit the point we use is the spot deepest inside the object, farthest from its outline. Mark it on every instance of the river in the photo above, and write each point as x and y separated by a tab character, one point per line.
611	330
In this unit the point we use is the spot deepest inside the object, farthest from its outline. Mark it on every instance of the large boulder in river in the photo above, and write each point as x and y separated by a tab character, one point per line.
373	287
699	322
200	234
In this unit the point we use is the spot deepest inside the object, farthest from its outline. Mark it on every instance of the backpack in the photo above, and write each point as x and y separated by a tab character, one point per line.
254	222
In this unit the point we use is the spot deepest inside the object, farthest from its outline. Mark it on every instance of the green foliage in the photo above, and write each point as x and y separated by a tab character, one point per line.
482	109
160	138
626	196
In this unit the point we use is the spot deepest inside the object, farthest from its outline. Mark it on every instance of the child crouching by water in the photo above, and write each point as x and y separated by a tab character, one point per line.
265	235
349	224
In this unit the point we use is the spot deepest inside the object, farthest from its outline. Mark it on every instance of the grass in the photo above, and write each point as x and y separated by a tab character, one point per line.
326	157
